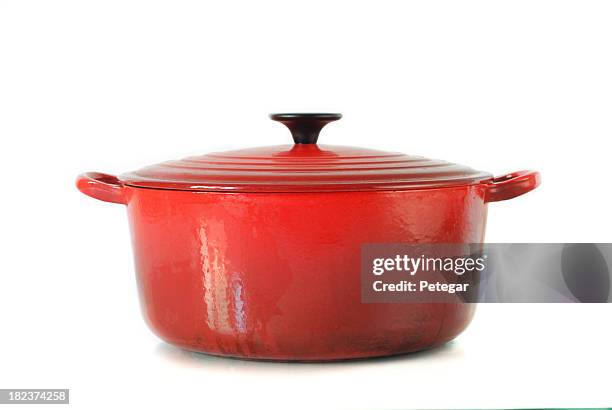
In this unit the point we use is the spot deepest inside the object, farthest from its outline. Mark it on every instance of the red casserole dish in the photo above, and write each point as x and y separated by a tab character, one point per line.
255	253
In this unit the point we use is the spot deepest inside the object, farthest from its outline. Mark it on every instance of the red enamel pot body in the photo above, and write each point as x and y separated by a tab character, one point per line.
274	273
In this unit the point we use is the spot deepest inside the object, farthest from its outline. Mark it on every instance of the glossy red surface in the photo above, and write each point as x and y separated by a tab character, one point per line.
276	275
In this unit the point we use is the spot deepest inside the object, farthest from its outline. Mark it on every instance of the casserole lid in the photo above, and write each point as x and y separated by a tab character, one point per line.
304	166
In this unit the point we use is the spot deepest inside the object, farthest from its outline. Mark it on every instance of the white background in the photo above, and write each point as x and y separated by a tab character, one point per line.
114	85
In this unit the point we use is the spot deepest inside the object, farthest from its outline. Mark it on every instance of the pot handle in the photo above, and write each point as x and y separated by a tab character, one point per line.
101	186
511	185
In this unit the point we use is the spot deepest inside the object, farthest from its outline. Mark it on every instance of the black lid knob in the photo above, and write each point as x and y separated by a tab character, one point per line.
305	127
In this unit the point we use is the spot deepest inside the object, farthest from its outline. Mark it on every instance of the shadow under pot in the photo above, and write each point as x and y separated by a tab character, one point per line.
255	253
